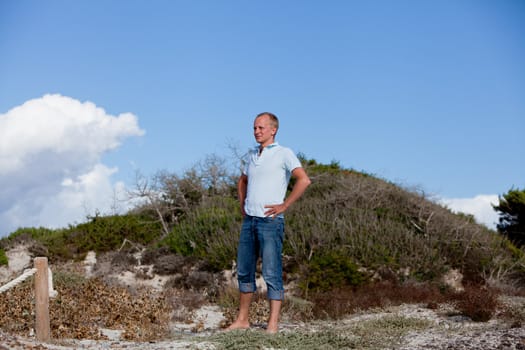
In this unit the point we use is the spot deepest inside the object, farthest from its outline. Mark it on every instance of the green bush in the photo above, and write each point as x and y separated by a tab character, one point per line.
45	236
36	233
3	258
105	233
52	242
328	270
210	232
100	233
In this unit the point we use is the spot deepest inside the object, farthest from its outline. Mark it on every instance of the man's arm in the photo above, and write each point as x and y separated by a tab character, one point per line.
242	185
301	183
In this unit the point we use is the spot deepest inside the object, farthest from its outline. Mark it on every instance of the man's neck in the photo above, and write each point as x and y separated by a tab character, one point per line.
263	146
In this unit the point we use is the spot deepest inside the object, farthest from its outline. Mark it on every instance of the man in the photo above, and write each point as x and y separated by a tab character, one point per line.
261	191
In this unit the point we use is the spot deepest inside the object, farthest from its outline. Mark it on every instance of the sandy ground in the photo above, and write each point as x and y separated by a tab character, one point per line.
445	332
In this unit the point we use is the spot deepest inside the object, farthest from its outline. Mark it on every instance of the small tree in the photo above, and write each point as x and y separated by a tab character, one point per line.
511	209
170	196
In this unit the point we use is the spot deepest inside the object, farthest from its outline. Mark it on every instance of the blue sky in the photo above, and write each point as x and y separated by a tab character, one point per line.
428	94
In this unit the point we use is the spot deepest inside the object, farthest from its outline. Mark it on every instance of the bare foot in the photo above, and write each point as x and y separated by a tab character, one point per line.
238	325
272	329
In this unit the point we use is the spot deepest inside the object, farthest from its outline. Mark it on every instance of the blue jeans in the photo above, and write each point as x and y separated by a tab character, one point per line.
261	237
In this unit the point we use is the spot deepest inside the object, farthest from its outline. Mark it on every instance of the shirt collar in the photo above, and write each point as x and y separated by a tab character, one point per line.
271	145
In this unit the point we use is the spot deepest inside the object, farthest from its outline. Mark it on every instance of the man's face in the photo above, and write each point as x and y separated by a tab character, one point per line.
263	130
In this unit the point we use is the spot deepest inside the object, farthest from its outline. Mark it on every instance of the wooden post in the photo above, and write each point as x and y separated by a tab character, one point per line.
42	327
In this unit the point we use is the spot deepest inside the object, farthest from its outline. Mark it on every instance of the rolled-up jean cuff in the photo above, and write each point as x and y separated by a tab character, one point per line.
247	287
276	294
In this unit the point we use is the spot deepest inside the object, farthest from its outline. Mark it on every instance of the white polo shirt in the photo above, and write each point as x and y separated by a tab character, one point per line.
268	176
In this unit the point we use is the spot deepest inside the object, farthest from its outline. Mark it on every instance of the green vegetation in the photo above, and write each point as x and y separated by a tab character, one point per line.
100	233
352	242
329	269
368	334
108	233
3	258
512	216
348	227
326	339
208	232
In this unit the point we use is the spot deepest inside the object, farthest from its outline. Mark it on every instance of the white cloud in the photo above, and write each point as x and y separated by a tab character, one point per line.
50	169
480	206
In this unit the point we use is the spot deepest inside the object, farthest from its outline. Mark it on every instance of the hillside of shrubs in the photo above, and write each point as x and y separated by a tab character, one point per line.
349	232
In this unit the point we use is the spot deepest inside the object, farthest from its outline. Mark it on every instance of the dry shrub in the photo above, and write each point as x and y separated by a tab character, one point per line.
297	309
123	259
83	306
341	302
477	302
183	303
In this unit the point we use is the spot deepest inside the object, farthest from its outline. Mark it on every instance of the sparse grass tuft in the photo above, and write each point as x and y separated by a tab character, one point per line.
253	339
368	334
386	331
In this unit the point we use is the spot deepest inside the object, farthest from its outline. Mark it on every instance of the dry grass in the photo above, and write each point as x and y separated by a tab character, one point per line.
343	301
